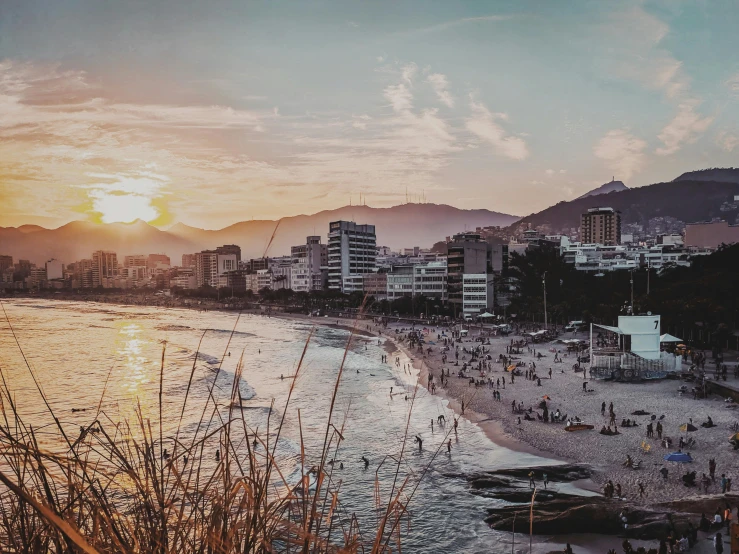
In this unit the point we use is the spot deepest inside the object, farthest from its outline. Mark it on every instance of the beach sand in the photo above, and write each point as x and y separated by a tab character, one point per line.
604	453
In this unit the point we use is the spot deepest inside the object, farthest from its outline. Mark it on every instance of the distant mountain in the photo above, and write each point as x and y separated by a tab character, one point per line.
400	226
687	201
717	174
79	239
613	186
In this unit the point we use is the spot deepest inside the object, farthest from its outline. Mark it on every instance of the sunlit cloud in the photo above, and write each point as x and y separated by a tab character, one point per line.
487	126
622	152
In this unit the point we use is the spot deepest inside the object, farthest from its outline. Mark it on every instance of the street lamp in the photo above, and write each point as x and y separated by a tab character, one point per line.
544	283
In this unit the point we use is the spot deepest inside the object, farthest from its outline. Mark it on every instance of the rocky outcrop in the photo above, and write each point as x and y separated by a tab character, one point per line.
590	515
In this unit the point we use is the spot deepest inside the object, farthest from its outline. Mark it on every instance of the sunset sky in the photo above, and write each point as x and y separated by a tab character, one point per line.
214	112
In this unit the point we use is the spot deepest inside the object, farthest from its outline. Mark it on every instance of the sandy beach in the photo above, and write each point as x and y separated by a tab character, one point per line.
565	389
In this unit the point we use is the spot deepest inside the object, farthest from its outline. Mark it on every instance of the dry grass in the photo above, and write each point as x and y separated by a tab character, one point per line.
113	488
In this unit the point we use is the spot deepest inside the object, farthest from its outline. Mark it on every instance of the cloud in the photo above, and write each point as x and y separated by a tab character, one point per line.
634	51
399	96
727	141
440	84
733	85
622	152
549	172
408	72
360	121
485	126
686	128
445	25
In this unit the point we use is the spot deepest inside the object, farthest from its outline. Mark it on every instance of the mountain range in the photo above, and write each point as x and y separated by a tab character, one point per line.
401	226
613	186
693	196
687	200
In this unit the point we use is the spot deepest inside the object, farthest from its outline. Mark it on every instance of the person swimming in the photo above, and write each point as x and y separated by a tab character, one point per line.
366	462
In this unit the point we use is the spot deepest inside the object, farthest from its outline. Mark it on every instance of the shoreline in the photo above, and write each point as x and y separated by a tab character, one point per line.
603	453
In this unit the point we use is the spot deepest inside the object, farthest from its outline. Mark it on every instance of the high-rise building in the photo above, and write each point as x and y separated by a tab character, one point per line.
188	260
601	226
352	249
467	254
134	260
104	266
309	262
210	266
230	249
54	269
157	261
6	262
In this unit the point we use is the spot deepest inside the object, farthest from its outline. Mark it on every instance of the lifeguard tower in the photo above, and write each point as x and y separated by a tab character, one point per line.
630	351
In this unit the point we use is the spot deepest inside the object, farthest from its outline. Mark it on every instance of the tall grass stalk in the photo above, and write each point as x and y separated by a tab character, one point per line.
113	488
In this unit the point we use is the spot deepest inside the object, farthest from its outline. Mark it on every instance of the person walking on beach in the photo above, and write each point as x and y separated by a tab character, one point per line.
718	543
419	440
712	469
366	462
449	446
545	479
532	482
642	492
603	408
456	423
659	430
618	490
432	424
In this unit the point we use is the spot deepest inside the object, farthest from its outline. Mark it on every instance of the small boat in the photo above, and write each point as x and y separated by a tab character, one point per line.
578	426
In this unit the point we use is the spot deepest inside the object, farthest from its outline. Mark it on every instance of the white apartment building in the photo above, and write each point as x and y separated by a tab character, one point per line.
54	269
210	266
430	279
309	261
399	282
599	258
477	294
351	251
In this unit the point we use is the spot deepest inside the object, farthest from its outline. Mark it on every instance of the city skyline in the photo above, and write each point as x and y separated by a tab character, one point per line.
218	113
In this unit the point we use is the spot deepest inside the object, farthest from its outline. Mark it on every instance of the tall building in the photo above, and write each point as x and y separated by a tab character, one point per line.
157	261
467	254
54	269
210	266
352	250
601	226
6	262
104	266
230	249
134	260
188	260
309	261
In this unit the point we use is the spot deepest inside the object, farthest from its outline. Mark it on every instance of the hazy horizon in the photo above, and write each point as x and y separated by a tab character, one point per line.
220	112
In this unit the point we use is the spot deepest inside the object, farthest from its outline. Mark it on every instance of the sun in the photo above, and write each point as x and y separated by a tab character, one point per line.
124	208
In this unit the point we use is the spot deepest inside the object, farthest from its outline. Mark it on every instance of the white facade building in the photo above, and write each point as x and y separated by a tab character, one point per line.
54	269
309	262
352	250
477	293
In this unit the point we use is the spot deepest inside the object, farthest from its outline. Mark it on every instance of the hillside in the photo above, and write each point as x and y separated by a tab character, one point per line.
717	174
613	186
400	226
687	201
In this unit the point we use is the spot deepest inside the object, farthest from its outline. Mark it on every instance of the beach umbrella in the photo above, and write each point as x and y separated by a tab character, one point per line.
678	457
511	367
734	437
688	428
486	315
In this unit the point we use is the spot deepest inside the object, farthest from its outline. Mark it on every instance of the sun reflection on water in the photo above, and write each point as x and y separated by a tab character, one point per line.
136	371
